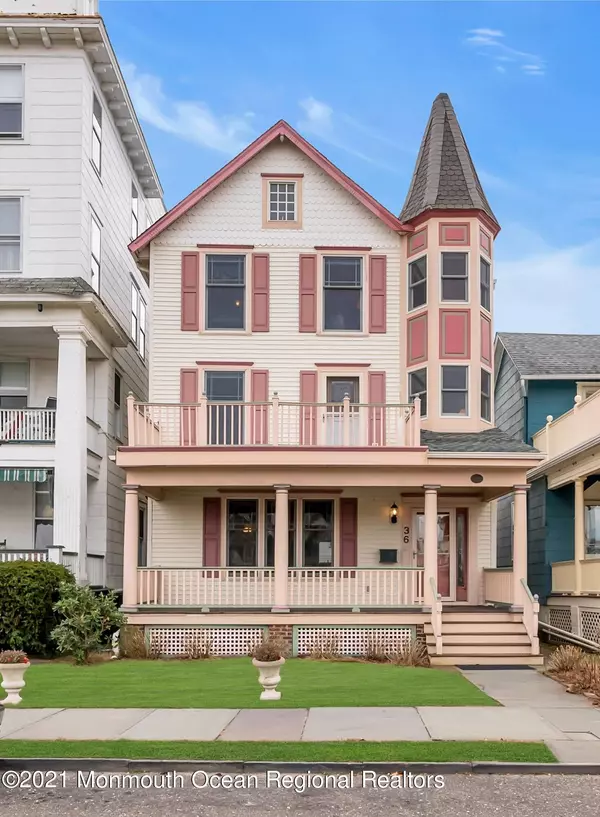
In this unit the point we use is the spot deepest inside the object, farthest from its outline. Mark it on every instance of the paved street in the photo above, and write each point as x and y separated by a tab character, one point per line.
464	796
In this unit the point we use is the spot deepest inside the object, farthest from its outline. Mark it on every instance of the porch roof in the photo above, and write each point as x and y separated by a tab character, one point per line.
491	441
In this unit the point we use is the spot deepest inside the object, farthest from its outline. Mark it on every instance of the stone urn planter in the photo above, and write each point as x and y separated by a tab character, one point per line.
13	665
268	658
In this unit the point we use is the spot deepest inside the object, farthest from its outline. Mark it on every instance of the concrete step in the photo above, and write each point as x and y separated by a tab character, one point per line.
516	638
478	628
467	659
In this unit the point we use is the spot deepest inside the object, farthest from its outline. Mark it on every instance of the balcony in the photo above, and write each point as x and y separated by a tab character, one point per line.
572	430
274	424
566	582
252	587
30	425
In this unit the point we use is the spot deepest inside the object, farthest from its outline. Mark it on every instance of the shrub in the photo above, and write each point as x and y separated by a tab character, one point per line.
28	592
565	659
413	655
89	619
325	648
270	649
198	646
132	642
13	657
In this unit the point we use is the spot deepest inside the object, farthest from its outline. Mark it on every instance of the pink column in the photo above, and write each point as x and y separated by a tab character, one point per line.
519	542
430	542
281	549
130	547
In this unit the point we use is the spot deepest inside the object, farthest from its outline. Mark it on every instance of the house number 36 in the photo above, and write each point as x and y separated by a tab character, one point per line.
406	534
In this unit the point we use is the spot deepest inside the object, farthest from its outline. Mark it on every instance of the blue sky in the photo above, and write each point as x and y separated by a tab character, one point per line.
358	79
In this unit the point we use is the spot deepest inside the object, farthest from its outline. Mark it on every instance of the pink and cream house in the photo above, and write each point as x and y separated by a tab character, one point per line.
319	450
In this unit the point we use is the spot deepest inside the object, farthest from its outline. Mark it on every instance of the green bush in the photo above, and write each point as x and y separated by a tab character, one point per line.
28	592
87	621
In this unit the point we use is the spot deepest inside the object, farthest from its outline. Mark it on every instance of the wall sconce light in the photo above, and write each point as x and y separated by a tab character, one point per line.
394	514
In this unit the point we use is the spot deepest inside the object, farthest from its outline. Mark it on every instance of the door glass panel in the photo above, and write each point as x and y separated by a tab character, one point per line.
461	549
337	389
317	533
241	532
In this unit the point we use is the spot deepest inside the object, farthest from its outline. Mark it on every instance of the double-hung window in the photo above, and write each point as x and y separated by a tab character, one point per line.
10	234
342	294
225	291
486	395
455	276
282	201
317	532
417	387
455	389
138	320
417	283
97	135
95	250
11	102
485	283
135	216
242	532
14	381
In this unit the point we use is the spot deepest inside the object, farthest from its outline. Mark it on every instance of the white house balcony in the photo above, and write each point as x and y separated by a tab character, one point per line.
575	431
274	423
27	425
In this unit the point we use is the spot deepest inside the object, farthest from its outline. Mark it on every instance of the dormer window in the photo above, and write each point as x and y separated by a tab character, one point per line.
282	201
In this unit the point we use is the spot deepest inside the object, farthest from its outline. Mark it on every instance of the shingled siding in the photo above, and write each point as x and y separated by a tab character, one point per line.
509	404
504	532
536	538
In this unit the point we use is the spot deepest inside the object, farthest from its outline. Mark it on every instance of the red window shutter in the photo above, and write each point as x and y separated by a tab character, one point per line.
190	291
260	293
377	415
188	390
348	532
308	293
377	293
259	388
308	414
211	544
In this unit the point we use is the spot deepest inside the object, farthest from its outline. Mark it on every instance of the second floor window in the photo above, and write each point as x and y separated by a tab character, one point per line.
10	235
11	101
455	389
14	382
486	395
138	320
417	387
97	134
135	217
95	251
485	283
455	277
282	201
117	413
225	291
342	294
417	283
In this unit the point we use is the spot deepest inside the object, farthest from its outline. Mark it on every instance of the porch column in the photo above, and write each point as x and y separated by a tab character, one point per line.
430	542
519	542
70	477
130	546
579	550
280	601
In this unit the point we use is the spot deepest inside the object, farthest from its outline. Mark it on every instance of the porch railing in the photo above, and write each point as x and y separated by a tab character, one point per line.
254	587
498	585
94	563
274	423
23	555
35	425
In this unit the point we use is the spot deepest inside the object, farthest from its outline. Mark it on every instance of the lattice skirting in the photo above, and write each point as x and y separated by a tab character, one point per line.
351	640
590	624
233	640
560	617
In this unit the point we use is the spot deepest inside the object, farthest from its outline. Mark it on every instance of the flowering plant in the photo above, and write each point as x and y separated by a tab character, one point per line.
13	657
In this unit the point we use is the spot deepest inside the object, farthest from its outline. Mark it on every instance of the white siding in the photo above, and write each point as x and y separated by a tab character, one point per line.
177	529
484	549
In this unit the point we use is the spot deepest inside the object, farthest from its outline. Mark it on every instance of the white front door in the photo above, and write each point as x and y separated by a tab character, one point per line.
446	572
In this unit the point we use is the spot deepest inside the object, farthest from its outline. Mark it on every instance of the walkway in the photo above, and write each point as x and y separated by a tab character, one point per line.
534	708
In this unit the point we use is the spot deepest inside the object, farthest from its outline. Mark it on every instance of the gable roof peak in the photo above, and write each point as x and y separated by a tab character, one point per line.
444	177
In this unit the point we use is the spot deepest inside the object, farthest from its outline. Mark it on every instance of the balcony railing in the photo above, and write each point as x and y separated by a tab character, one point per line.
34	425
254	587
274	423
571	430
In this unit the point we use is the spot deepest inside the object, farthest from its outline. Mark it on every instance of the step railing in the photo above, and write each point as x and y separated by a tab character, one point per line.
531	611
436	616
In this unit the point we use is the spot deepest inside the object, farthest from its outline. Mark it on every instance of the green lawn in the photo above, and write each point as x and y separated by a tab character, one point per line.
348	751
233	683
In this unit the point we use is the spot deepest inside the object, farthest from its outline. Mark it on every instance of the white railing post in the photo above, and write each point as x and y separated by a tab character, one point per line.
275	419
346	421
55	553
549	419
436	616
131	429
202	426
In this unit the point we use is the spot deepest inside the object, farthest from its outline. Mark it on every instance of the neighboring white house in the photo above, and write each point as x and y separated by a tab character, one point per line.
77	183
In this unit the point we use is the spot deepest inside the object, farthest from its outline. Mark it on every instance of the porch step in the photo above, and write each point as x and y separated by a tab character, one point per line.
480	616
478	627
468	648
468	659
516	638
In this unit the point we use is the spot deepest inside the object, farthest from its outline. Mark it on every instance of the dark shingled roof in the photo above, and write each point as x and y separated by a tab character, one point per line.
553	355
492	441
44	286
444	176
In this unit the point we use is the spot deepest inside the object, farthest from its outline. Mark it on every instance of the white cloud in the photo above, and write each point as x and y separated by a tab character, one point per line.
546	289
491	41
193	121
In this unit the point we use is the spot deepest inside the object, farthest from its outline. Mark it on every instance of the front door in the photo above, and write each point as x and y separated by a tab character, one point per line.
446	583
337	389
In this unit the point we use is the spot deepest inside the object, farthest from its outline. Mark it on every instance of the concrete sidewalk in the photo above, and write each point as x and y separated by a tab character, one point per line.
535	708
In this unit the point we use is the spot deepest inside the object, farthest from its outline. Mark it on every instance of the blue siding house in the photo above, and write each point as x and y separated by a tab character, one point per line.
537	375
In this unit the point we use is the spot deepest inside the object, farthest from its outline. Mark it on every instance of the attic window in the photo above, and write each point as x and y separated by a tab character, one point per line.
282	202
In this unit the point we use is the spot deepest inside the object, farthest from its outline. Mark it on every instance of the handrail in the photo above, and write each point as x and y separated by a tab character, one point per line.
567	636
436	615
531	609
